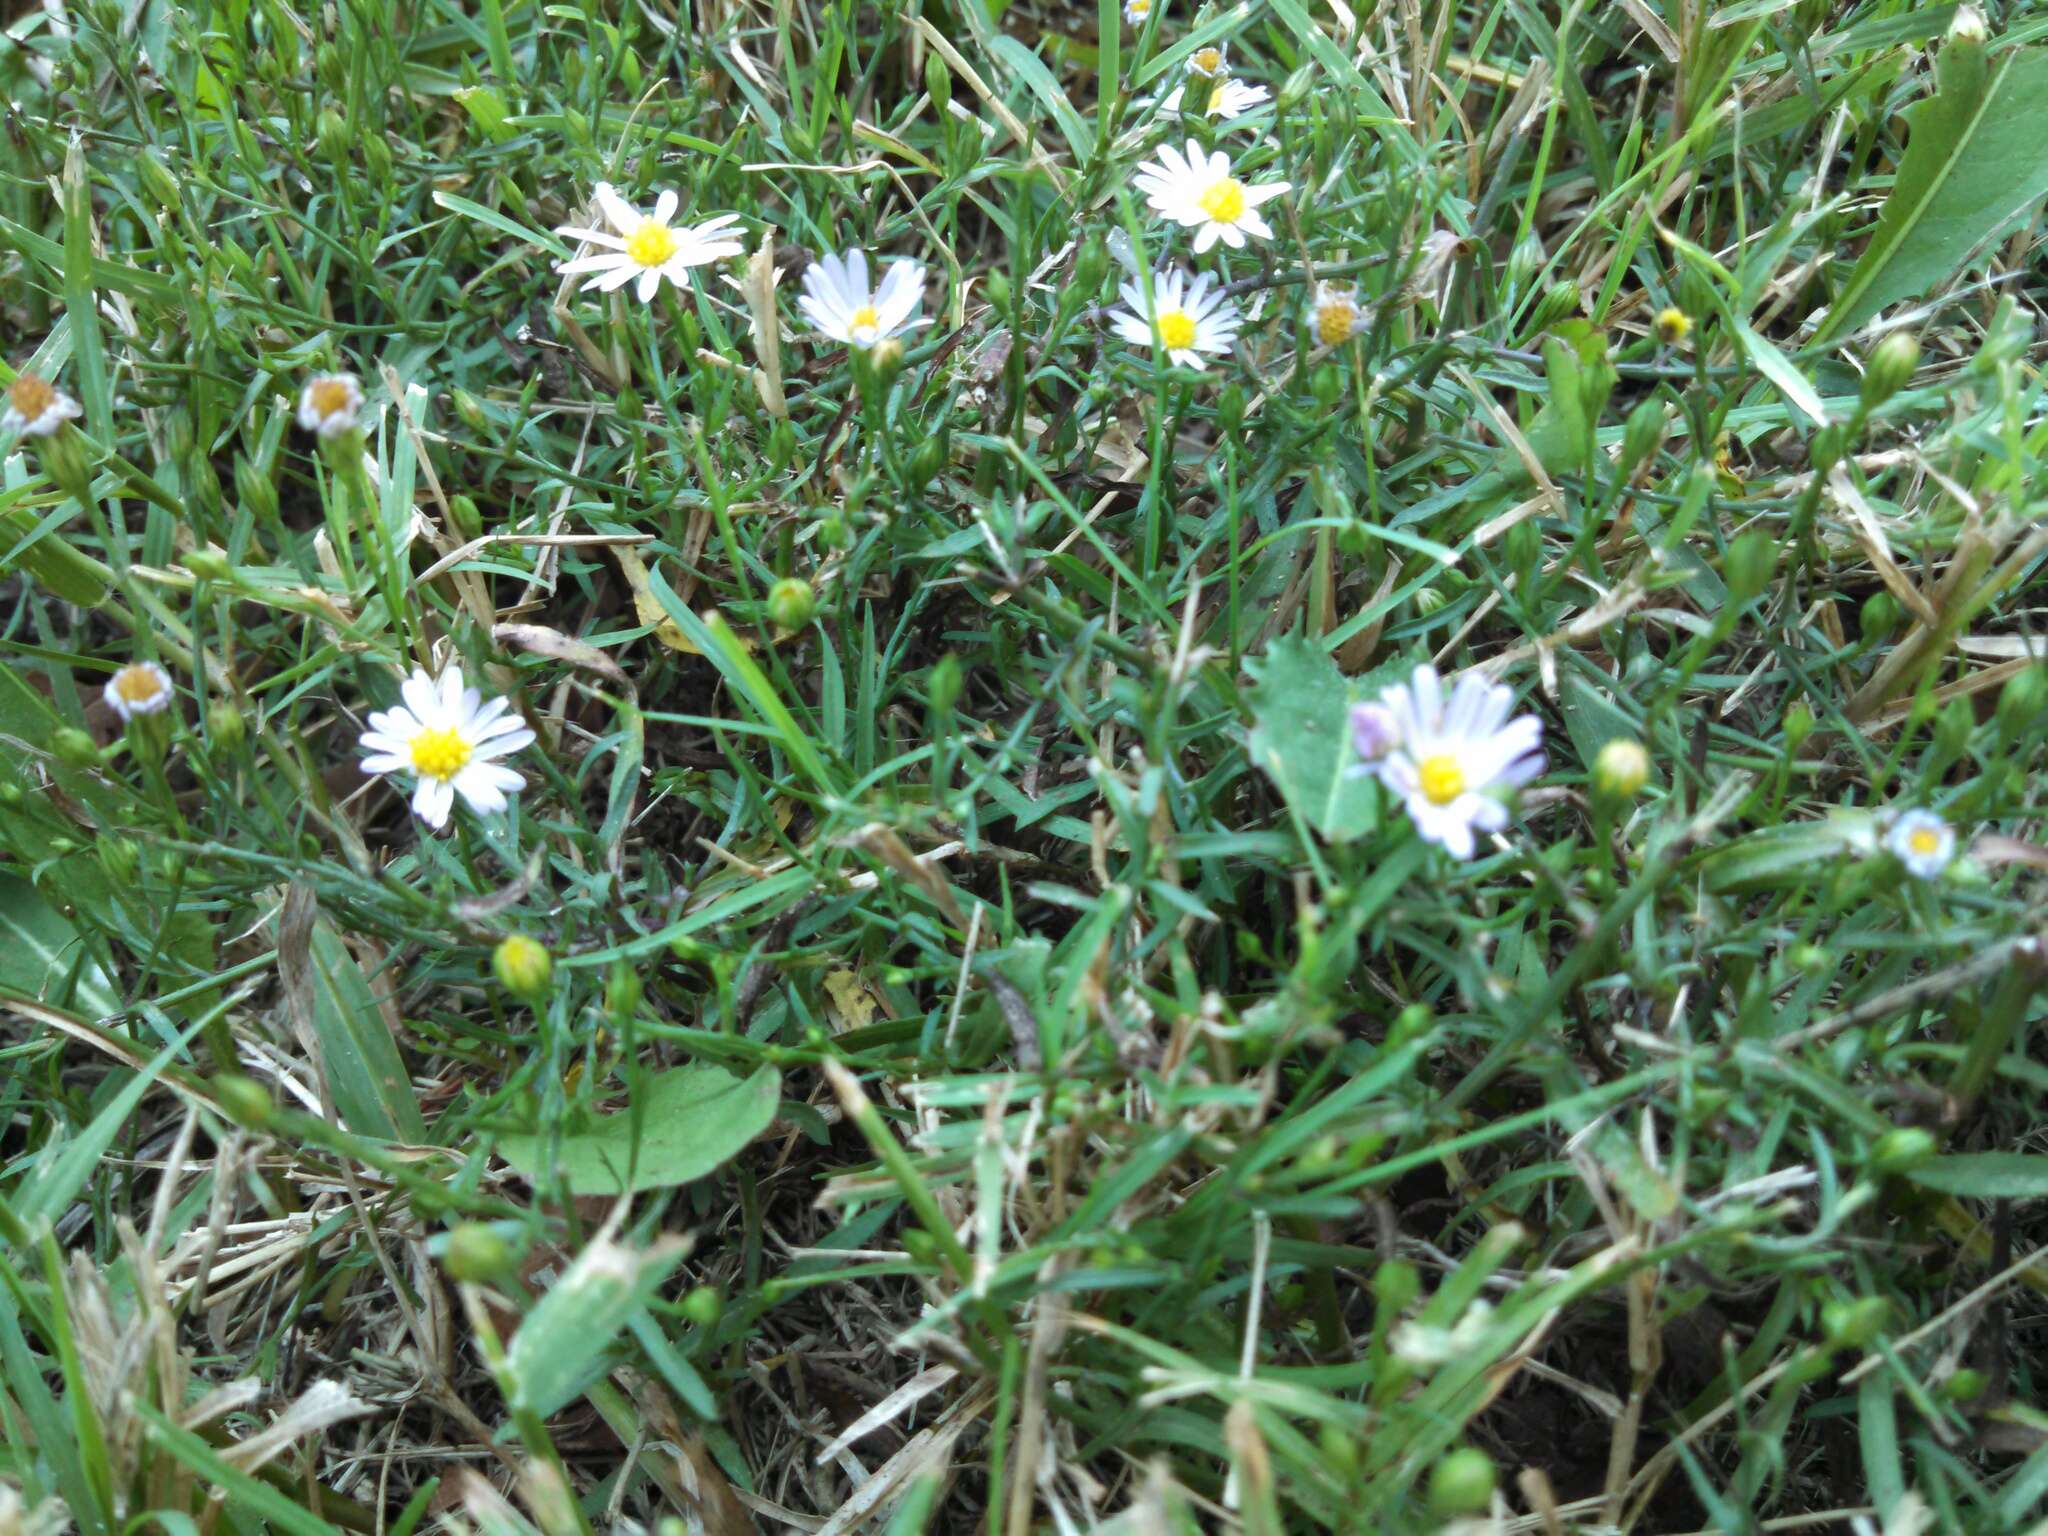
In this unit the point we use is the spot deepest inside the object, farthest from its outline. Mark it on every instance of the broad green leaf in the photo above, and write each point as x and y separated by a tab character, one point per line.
690	1121
330	997
1976	162
1986	1175
1301	706
559	1349
39	951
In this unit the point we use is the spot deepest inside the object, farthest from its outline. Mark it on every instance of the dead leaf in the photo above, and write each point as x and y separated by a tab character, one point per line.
849	1004
556	646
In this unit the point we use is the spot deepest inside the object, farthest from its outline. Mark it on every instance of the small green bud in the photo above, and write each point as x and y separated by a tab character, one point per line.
74	748
1901	1150
921	1245
1395	1285
12	795
875	368
65	459
791	602
947	680
1964	1386
225	726
1622	769
1880	616
2023	701
331	64
476	1253
1750	563
928	458
377	158
331	133
1642	437
1230	409
1327	385
207	564
1462	1483
156	179
255	490
1952	730
1560	301
1411	1023
1429	601
1798	726
1091	265
1809	959
703	1305
1525	261
1853	1324
470	410
938	81
1522	545
1891	368
244	1100
463	514
523	967
997	287
119	857
1296	88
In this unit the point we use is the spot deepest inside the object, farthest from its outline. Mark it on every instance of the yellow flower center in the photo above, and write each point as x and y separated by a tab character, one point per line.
1176	329
1442	779
1216	102
1333	323
329	396
137	684
1141	8
1207	60
866	317
30	397
1674	325
652	244
439	752
1224	202
1924	840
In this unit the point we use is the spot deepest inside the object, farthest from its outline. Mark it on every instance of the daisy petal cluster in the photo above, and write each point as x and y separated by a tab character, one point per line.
140	688
448	738
1188	319
330	403
644	248
36	408
1196	189
1448	759
839	300
1922	842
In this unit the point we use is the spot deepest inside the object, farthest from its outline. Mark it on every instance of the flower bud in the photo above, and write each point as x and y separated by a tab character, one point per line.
2023	700
938	82
1462	1483
1891	368
255	490
1901	1150
462	513
476	1253
1643	435
1880	616
1674	325
1965	1386
703	1305
622	993
244	1100
207	564
1798	726
1853	1324
1559	301
1621	770
331	133
64	457
1525	261
945	685
1297	88
876	367
119	857
225	726
470	410
1091	265
1327	385
377	158
156	179
74	748
928	459
997	287
1952	730
791	602
1750	563
1230	409
330	63
523	967
1429	601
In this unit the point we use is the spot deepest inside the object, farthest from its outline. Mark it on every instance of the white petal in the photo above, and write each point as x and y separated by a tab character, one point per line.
420	698
386	762
665	205
650	284
616	278
480	791
624	219
591	236
602	261
1209	234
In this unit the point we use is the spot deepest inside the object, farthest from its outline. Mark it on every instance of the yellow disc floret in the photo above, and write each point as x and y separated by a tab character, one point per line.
138	684
439	752
1924	840
30	397
1441	777
865	318
652	244
1176	329
1224	202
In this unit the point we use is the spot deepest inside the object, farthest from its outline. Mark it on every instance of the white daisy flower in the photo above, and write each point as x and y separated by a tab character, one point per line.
1224	100
329	403
448	738
1337	313
1197	190
839	302
1135	11
36	408
645	246
1923	842
1447	756
1209	62
140	688
1187	319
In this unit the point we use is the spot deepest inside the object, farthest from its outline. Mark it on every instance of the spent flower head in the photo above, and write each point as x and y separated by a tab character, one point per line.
330	404
140	688
644	248
1209	62
1196	189
1450	758
1337	313
448	738
36	408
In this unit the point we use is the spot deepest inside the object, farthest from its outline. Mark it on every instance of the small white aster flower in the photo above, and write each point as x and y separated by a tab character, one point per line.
140	688
1187	320
1209	62
1448	755
1196	189
1923	842
36	408
329	403
645	246
1224	100
1135	11
449	739
838	300
1337	313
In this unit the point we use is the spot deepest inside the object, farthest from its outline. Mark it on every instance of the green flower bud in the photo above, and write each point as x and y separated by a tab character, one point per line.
791	602
947	681
156	179
476	1253
1750	563
1965	1386
929	458
331	133
1091	265
225	726
66	459
1890	369
331	65
1643	435
377	158
244	1100
875	368
523	967
1230	409
2023	701
462	513
938	81
470	410
1462	1483
1901	1150
1327	385
1411	1023
74	748
119	857
1395	1285
622	993
1798	726
1429	601
1297	88
703	1305
1880	616
207	564
1525	261
1560	300
1622	769
12	795
1809	959
255	490
1853	1324
997	287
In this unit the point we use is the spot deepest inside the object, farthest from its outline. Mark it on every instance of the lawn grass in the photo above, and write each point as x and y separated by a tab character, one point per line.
950	1034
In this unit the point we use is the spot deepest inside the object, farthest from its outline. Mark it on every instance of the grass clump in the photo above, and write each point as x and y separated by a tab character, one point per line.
981	767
